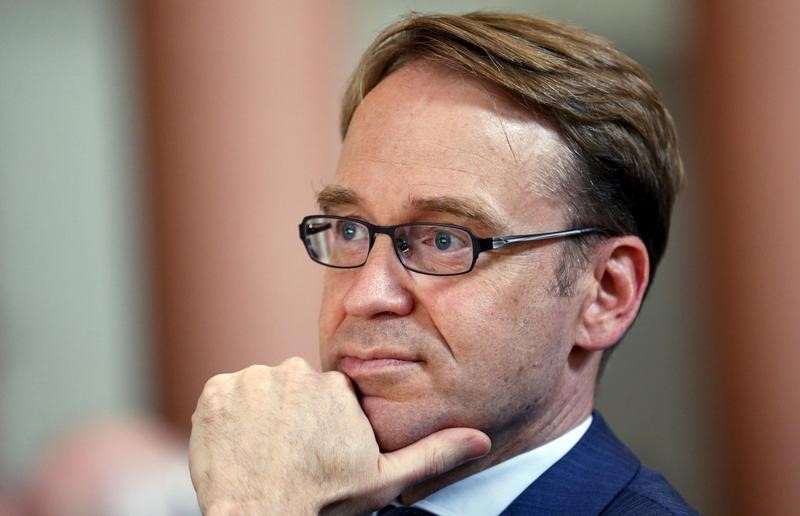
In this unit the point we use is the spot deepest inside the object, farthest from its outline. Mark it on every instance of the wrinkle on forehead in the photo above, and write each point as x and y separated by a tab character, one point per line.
426	116
539	146
499	118
447	145
549	153
398	163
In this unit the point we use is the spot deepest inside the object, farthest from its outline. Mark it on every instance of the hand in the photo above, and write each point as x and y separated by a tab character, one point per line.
291	440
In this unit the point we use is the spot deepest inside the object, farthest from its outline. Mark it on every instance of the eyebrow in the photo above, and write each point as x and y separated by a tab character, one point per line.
334	196
463	208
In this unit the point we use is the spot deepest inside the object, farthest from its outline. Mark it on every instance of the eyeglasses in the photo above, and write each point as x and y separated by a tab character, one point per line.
435	249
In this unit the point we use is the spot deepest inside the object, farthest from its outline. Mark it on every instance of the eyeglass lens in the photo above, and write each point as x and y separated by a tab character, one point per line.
421	247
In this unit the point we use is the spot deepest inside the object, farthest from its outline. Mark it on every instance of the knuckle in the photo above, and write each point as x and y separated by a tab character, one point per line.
295	363
215	386
196	418
213	399
253	372
337	379
293	370
435	463
254	381
214	382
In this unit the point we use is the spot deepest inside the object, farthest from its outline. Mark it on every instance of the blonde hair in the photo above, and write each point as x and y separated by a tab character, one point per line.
626	169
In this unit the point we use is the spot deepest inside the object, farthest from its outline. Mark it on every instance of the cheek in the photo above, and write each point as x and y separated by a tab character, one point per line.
499	331
331	314
474	314
476	320
506	355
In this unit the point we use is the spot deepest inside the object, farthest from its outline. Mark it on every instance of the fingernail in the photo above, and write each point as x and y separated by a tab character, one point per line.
477	446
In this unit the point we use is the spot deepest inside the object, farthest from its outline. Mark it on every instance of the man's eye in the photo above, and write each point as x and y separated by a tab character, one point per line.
448	241
349	230
443	240
402	245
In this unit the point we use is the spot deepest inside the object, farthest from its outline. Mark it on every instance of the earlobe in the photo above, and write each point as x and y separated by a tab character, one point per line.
620	275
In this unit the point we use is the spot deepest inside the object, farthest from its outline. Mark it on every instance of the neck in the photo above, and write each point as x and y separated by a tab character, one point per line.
571	406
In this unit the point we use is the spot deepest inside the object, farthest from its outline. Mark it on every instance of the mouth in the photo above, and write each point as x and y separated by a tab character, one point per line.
375	365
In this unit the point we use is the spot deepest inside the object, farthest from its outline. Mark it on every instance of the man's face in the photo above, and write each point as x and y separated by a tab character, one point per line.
486	349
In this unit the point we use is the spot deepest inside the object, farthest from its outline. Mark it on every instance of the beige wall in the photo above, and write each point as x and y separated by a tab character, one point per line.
242	130
72	315
749	117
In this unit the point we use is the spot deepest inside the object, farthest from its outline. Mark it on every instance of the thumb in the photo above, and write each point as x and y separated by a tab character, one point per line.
433	455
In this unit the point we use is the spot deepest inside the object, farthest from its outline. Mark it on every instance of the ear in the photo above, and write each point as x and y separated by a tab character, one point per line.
621	270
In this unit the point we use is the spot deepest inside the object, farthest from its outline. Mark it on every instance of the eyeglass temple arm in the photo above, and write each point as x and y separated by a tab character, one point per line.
503	241
313	230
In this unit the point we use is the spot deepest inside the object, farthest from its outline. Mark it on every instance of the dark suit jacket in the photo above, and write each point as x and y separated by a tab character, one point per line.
599	476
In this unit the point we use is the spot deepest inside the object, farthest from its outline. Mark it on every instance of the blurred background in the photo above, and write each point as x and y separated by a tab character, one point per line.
155	158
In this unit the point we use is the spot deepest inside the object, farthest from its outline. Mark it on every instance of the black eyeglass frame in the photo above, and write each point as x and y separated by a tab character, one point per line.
479	245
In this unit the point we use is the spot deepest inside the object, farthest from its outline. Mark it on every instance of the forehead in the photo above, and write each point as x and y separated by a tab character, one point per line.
428	132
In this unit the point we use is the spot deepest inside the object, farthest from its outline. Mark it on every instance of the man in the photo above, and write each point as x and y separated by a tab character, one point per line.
502	199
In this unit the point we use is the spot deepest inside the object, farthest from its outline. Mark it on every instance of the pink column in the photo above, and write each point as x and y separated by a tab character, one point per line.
748	68
241	125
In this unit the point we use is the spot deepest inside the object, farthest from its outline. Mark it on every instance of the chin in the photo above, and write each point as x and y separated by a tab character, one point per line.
398	425
391	438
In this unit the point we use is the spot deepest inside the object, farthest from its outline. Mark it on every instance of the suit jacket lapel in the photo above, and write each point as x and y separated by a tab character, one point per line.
585	480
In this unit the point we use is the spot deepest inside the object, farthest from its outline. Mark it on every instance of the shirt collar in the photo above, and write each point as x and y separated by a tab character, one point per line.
493	489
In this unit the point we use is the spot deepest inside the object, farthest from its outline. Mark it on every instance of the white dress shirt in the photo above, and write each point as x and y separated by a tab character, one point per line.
490	491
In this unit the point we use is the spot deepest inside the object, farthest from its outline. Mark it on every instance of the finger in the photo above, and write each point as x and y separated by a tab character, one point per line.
434	455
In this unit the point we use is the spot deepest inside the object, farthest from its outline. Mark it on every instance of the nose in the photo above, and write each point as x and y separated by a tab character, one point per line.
381	286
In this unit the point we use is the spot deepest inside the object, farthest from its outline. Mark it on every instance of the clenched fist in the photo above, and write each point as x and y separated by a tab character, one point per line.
291	440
